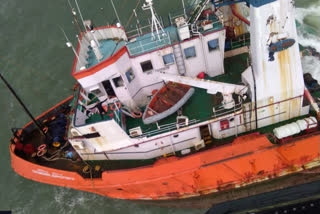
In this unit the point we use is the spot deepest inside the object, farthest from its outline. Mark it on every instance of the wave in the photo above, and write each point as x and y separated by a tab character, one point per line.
311	64
308	21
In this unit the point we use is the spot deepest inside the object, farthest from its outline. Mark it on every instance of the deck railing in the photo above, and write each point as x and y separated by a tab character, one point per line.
166	128
240	41
150	43
222	111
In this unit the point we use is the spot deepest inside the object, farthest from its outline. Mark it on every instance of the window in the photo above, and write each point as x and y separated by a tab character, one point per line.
118	81
146	66
190	52
95	90
213	44
168	59
130	75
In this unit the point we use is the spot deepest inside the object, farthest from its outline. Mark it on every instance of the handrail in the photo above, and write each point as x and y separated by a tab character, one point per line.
157	44
173	126
168	127
145	87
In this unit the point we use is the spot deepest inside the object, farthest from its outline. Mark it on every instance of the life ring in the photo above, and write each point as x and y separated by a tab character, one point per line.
45	130
42	149
41	153
115	106
136	115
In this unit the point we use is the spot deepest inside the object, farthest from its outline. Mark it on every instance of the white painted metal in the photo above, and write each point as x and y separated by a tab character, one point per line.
212	86
279	79
279	86
96	50
137	91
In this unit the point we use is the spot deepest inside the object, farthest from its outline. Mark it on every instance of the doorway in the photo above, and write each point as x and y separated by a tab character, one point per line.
108	87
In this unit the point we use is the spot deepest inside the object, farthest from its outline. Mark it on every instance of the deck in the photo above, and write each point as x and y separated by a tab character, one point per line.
107	48
196	113
149	42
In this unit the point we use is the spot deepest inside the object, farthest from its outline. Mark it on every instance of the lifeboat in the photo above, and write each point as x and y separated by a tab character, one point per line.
166	101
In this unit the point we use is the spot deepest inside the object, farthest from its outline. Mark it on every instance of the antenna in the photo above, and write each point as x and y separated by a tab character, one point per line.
80	13
114	8
69	45
184	9
154	20
138	22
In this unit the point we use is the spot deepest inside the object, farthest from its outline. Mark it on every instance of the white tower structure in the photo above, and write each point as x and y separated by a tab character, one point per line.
276	61
155	24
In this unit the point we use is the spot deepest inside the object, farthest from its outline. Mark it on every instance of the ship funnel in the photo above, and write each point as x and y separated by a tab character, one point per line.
96	50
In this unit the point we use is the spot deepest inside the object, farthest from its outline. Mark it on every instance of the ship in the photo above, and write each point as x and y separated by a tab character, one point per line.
212	106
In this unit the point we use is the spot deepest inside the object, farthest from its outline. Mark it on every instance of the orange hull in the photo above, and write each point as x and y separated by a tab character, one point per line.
249	159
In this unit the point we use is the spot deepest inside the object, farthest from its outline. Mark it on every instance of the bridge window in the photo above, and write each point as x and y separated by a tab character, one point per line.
130	75
213	44
146	66
95	90
190	52
118	81
168	59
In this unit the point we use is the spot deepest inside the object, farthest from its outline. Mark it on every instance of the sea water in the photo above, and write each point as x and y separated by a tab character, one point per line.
35	60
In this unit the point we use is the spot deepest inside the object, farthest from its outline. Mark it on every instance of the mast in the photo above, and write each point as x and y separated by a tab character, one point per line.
155	24
22	104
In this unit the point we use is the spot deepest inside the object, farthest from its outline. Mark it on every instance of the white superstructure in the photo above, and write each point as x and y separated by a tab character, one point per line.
129	70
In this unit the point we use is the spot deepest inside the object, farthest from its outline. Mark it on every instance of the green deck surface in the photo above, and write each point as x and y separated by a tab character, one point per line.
199	106
233	67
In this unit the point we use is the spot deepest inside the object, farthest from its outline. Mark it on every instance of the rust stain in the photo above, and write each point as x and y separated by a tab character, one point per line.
264	75
285	80
295	106
271	109
253	166
99	141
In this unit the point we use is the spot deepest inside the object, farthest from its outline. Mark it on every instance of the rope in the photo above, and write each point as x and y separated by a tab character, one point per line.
132	13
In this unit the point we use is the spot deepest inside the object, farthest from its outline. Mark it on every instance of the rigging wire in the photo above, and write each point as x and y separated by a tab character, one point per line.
129	20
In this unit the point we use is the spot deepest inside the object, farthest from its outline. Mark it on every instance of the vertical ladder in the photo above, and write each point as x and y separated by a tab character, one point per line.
177	52
247	116
205	134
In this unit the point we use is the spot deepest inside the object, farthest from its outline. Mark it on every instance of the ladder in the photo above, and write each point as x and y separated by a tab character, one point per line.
177	52
247	116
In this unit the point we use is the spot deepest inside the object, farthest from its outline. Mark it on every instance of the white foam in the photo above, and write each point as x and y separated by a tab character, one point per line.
311	64
305	37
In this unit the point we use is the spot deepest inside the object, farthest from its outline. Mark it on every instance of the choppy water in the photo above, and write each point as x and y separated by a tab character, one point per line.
35	60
